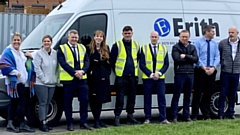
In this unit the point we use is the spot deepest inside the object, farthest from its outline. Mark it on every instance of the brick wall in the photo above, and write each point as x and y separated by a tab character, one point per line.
27	3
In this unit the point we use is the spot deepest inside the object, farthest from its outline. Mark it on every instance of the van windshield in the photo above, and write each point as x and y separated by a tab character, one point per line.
50	25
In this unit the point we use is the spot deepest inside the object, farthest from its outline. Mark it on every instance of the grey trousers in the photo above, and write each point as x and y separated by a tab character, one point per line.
44	95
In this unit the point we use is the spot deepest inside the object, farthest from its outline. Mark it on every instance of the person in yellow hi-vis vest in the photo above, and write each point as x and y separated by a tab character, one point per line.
154	63
74	64
124	61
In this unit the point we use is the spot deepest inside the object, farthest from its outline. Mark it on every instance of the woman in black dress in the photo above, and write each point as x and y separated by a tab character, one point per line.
98	76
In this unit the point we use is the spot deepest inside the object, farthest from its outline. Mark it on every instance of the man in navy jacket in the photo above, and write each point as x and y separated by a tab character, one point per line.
77	83
154	63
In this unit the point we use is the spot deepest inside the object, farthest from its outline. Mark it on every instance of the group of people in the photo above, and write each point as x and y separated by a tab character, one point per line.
195	67
85	71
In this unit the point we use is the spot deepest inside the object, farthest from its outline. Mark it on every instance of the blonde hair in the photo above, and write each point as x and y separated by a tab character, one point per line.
16	34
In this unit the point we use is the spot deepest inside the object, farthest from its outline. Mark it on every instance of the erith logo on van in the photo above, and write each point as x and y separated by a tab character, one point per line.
162	26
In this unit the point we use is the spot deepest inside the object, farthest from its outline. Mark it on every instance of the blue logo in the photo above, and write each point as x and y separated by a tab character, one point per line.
162	26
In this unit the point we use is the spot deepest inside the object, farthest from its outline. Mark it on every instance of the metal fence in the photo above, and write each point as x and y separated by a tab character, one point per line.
21	23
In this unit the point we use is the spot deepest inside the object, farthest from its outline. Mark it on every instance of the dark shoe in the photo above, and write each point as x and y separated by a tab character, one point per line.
44	128
174	121
50	128
194	119
207	118
102	124
220	117
96	124
85	126
131	119
117	121
25	128
188	120
11	127
231	117
70	127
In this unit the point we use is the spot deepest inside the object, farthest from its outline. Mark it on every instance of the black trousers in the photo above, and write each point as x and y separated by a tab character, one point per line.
203	88
125	85
18	105
96	107
81	88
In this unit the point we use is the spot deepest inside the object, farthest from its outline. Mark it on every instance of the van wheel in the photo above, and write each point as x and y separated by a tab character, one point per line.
54	112
214	104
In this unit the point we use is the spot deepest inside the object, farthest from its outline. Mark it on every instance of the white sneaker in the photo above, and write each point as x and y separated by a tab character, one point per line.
147	121
165	122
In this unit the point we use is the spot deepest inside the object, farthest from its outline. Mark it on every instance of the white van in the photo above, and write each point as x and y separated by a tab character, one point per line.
167	17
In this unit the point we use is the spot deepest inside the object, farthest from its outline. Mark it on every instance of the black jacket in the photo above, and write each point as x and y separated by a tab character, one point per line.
99	78
184	65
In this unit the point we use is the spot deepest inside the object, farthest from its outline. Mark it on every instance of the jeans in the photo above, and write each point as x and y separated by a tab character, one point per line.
182	82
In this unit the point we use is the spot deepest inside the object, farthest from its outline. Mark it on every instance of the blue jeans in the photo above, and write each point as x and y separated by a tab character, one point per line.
182	82
159	85
229	84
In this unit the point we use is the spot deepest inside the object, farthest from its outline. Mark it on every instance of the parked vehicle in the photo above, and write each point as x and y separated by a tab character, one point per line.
167	17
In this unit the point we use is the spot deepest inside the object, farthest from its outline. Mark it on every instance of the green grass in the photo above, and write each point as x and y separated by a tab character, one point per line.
212	127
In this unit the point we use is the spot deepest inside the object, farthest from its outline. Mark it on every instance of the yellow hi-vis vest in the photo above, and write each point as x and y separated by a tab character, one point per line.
64	76
162	51
122	57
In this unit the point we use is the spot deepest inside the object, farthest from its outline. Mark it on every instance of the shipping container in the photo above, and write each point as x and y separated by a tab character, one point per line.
21	23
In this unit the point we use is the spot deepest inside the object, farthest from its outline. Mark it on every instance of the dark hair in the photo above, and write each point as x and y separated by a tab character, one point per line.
207	28
16	34
47	36
127	28
184	31
73	31
104	52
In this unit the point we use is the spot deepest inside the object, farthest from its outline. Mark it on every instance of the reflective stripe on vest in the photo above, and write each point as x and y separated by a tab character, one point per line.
162	51
122	56
64	76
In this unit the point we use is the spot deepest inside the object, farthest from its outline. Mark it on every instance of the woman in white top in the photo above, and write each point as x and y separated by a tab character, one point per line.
13	67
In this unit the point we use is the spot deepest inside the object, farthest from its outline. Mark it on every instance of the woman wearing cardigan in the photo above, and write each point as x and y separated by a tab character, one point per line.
46	68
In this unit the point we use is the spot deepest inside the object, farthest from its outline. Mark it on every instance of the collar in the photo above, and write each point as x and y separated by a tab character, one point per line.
189	42
153	45
233	42
124	41
46	51
71	45
206	39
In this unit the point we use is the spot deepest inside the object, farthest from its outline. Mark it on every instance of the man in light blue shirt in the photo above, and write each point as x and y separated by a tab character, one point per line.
205	72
